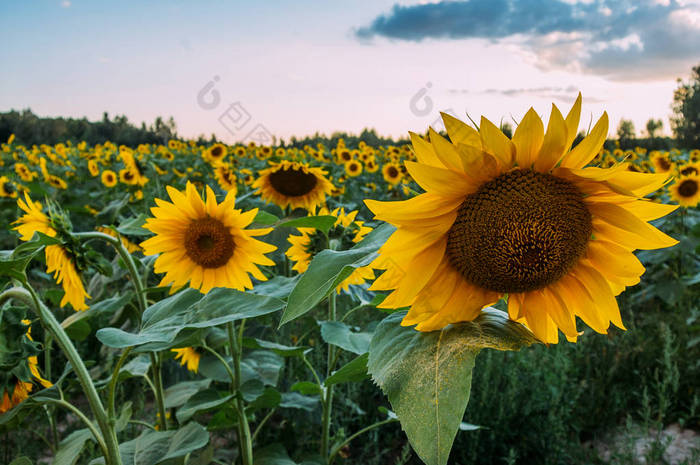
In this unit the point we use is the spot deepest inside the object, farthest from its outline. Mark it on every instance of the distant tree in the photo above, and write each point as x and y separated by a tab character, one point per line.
654	125
625	131
685	122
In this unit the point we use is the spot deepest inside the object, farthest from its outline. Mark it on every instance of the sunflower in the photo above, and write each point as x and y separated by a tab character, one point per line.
371	166
391	173
662	163
216	153
24	172
205	243
188	356
226	177
21	391
293	184
7	188
93	168
353	168
520	218
689	169
686	191
109	178
345	233
58	259
128	245
344	156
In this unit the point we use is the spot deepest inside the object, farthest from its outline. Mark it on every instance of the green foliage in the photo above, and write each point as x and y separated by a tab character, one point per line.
427	376
686	110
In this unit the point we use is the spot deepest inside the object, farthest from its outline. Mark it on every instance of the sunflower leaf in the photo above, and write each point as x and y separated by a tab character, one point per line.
427	376
328	269
189	309
322	222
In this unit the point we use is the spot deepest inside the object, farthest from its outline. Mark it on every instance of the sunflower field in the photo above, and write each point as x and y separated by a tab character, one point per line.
466	298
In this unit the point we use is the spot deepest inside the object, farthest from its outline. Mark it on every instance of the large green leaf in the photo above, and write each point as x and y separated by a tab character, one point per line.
70	448
274	454
328	269
154	447
180	393
341	335
353	371
427	376
202	402
189	309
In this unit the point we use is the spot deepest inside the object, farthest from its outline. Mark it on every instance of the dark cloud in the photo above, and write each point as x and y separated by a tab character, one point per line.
619	39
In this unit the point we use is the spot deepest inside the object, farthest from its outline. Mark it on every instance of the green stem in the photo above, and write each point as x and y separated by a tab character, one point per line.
243	426
113	382
337	448
328	394
29	297
260	425
354	309
90	425
141	298
126	258
223	362
158	385
311	368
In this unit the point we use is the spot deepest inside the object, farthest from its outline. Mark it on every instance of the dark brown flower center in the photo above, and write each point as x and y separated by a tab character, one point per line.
688	188
522	231
208	242
293	182
664	164
688	170
216	152
392	172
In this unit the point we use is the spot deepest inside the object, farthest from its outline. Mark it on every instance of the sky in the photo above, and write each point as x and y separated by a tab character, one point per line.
247	70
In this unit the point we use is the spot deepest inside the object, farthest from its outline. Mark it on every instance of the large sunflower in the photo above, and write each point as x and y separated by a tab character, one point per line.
346	232
520	218
58	260
205	243
293	184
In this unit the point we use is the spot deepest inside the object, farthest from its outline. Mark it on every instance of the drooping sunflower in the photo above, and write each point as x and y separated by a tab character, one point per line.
686	191
662	163
188	356
293	184
346	232
205	243
58	260
522	218
109	178
20	391
7	188
391	173
226	177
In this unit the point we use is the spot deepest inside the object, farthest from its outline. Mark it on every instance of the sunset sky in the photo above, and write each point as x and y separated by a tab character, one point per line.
297	67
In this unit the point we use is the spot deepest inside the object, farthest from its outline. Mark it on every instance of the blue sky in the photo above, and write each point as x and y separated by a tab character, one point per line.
300	67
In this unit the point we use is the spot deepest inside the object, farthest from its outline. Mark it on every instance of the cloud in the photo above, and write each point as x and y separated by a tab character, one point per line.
637	40
564	94
65	4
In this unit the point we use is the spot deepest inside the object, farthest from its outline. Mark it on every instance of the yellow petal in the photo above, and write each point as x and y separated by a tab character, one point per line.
589	147
494	141
528	139
459	132
440	181
554	142
572	120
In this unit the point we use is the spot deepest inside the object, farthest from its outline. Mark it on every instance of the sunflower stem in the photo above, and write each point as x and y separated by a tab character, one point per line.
126	258
244	435
29	297
158	385
328	390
